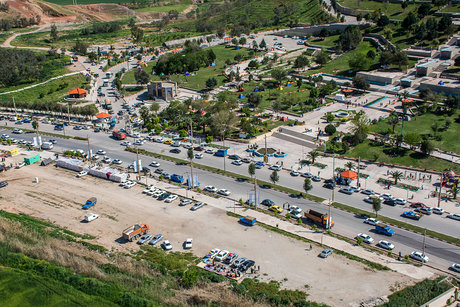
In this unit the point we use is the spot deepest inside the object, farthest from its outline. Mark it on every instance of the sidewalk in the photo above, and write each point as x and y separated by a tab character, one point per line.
232	206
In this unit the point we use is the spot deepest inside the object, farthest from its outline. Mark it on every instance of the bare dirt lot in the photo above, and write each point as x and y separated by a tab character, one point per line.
59	195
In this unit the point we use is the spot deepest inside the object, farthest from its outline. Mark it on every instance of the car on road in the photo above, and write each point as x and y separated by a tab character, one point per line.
52	141
210	188
18	131
412	215
234	157
326	253
370	199
171	198
239	262
268	202
230	258
307	175
316	178
390	202
386	196
157	238
154	164
386	245
275	167
246	265
187	146
425	210
419	256
455	267
209	151
144	239
197	206
168	142
259	164
175	150
223	192
294	173
365	237
82	173
348	191
198	156
199	148
167	245
76	128
417	205
438	211
3	184
106	160
117	161
276	209
368	192
246	160
188	243
185	201
125	143
454	216
221	255
329	185
400	201
371	221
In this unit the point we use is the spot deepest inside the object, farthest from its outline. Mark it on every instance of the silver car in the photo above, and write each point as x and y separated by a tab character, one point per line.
144	239
157	238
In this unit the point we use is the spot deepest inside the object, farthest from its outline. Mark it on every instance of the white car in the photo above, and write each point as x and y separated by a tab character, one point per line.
82	173
106	160
294	173
419	256
275	167
400	201
386	245
117	161
371	221
188	243
159	139
237	162
167	245
213	252
455	267
154	164
221	255
210	188
123	183
18	131
355	189
199	156
439	211
126	143
171	198
224	192
130	184
101	152
368	192
185	201
366	238
148	189
209	151
90	217
157	193
386	196
455	216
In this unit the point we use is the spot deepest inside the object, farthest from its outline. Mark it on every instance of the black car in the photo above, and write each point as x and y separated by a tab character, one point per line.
3	184
390	202
175	150
329	185
199	148
164	196
234	157
329	181
159	170
241	179
246	265
268	202
146	169
97	130
264	186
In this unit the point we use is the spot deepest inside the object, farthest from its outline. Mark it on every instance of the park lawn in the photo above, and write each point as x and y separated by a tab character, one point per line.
454	8
53	91
164	8
128	78
20	288
83	2
392	10
421	124
371	151
327	42
340	65
154	38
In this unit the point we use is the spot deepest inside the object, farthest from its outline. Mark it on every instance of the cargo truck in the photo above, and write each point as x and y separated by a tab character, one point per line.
322	219
384	229
134	232
89	203
119	135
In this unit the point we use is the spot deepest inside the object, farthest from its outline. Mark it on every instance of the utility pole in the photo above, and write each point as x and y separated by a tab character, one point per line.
439	194
191	160
137	162
359	162
223	145
89	148
68	111
424	239
266	156
333	167
15	111
329	221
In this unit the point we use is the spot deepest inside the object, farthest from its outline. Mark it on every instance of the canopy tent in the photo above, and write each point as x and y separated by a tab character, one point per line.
408	100
349	174
187	73
450	174
347	90
241	96
289	84
102	115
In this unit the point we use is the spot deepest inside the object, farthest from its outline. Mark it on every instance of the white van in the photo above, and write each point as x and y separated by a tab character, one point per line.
176	144
47	146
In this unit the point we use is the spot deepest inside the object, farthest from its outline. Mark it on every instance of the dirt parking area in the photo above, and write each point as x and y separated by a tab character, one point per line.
59	195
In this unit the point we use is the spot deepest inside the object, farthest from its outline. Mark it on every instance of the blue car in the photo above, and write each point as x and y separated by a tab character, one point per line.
177	178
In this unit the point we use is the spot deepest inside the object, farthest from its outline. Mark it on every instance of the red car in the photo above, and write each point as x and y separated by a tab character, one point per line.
417	205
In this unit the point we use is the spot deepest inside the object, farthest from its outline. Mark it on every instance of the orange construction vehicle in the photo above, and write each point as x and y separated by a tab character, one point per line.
134	232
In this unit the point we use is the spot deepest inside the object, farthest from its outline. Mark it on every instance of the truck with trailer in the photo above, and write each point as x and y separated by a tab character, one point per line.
322	219
384	229
90	203
119	135
134	232
248	220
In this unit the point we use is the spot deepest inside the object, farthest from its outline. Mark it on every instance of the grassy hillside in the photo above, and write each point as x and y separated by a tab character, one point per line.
83	2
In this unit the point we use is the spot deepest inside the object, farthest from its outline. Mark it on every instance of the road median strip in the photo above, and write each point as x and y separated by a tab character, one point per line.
47	133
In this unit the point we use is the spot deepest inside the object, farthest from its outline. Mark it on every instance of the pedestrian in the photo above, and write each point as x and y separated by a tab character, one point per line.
276	225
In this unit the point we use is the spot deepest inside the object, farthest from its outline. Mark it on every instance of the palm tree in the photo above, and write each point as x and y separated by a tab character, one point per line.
252	173
144	113
393	121
350	165
190	156
396	175
313	155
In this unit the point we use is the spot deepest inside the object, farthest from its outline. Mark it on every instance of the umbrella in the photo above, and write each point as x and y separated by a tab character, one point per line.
408	100
349	174
347	90
102	115
213	64
241	96
256	90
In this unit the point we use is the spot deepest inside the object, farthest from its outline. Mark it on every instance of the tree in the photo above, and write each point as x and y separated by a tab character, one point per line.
350	38
255	46
279	75
359	62
410	20
376	205
254	99
307	186
141	77
396	175
383	21
330	117
313	155
35	125
54	33
211	83
413	139
144	113
350	165
274	177
454	191
361	83
444	23
393	122
330	129
263	44
360	128
243	41
155	107
80	47
371	54
427	147
424	9
301	61
235	41
322	58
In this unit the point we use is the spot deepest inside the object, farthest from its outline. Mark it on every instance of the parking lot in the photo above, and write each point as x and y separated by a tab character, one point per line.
287	260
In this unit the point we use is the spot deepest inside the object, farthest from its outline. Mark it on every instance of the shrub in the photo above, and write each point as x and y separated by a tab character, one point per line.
330	129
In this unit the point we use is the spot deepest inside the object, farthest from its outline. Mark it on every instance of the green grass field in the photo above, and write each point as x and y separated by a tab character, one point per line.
392	10
327	42
455	8
421	124
163	9
128	78
19	288
53	91
83	2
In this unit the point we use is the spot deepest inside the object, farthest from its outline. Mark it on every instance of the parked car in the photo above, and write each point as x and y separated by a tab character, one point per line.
3	184
316	178
294	173
417	205
154	164
268	202
117	161
185	201
175	150
157	238
368	192
276	209
326	253
307	175
188	243
210	188
198	156
400	201
371	221
144	239
246	265
239	262
167	245
455	267
82	173
224	192
419	256
246	160
209	151
221	255
171	198
455	216
439	211
366	238
237	162
230	258
329	185
164	196
425	210
234	157
90	217
129	184
275	167
197	206
386	245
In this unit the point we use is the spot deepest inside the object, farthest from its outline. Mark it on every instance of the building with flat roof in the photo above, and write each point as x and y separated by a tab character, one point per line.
449	52
381	77
163	90
427	67
441	86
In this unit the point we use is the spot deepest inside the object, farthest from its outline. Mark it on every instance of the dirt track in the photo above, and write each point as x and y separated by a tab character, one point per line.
59	195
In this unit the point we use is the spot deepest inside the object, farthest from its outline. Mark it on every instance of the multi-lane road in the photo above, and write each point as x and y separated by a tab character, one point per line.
441	254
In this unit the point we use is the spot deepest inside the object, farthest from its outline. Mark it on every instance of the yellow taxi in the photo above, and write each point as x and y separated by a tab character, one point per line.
276	209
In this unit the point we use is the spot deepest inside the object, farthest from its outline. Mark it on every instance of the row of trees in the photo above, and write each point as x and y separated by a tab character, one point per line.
48	107
102	27
21	22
